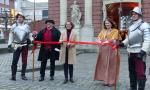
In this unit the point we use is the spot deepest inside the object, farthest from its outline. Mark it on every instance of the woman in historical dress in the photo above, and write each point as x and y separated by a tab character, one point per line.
108	60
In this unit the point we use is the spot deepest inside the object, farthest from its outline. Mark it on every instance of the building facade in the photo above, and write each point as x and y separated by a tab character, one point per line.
60	11
6	16
27	8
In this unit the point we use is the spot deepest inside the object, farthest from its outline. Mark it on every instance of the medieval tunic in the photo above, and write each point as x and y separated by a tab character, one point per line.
48	51
19	39
108	59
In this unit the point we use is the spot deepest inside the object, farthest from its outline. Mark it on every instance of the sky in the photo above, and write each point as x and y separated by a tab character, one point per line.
38	0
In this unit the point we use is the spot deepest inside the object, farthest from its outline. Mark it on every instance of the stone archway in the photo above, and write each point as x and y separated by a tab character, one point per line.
117	9
119	12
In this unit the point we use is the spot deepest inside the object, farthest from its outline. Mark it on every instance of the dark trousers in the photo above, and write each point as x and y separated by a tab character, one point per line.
136	72
43	68
68	66
47	55
24	53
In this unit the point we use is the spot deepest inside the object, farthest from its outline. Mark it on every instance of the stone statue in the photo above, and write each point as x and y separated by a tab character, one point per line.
75	14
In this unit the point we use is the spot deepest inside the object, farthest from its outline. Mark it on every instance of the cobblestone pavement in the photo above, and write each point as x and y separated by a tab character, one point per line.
83	75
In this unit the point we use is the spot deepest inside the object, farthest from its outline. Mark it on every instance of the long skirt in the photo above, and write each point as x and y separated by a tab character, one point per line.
107	66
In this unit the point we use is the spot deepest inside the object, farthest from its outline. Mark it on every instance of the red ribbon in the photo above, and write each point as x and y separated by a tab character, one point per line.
40	42
108	43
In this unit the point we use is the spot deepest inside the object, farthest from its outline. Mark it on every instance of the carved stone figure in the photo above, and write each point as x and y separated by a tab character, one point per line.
75	14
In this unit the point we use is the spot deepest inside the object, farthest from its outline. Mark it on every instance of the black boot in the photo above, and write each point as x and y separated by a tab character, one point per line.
13	70
141	84
23	77
51	78
65	81
71	80
41	79
13	78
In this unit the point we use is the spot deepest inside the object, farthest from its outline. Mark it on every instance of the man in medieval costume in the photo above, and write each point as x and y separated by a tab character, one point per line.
19	40
138	45
48	51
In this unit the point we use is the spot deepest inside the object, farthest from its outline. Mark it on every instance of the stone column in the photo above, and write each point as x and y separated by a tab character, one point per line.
88	12
63	13
87	32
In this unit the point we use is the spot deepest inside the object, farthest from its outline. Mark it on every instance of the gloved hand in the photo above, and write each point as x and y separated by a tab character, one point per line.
141	55
34	35
121	44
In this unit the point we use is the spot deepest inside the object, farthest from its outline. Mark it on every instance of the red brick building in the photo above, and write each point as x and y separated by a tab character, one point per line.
97	11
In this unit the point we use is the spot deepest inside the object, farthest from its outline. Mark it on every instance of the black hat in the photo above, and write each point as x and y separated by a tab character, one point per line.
50	21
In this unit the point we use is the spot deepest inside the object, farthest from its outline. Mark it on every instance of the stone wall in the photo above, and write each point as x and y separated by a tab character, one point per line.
39	25
97	16
54	11
146	10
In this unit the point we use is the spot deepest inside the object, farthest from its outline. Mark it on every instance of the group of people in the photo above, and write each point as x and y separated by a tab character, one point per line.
108	60
20	37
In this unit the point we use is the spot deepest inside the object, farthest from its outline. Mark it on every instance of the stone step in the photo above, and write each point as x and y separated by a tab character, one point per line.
2	41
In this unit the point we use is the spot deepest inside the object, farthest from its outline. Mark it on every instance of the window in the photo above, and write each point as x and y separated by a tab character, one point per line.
45	14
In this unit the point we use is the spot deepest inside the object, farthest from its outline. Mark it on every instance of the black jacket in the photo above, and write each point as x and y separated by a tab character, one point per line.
55	37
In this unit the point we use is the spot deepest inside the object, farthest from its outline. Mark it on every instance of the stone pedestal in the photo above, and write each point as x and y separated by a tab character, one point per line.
87	35
87	32
1	34
78	30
